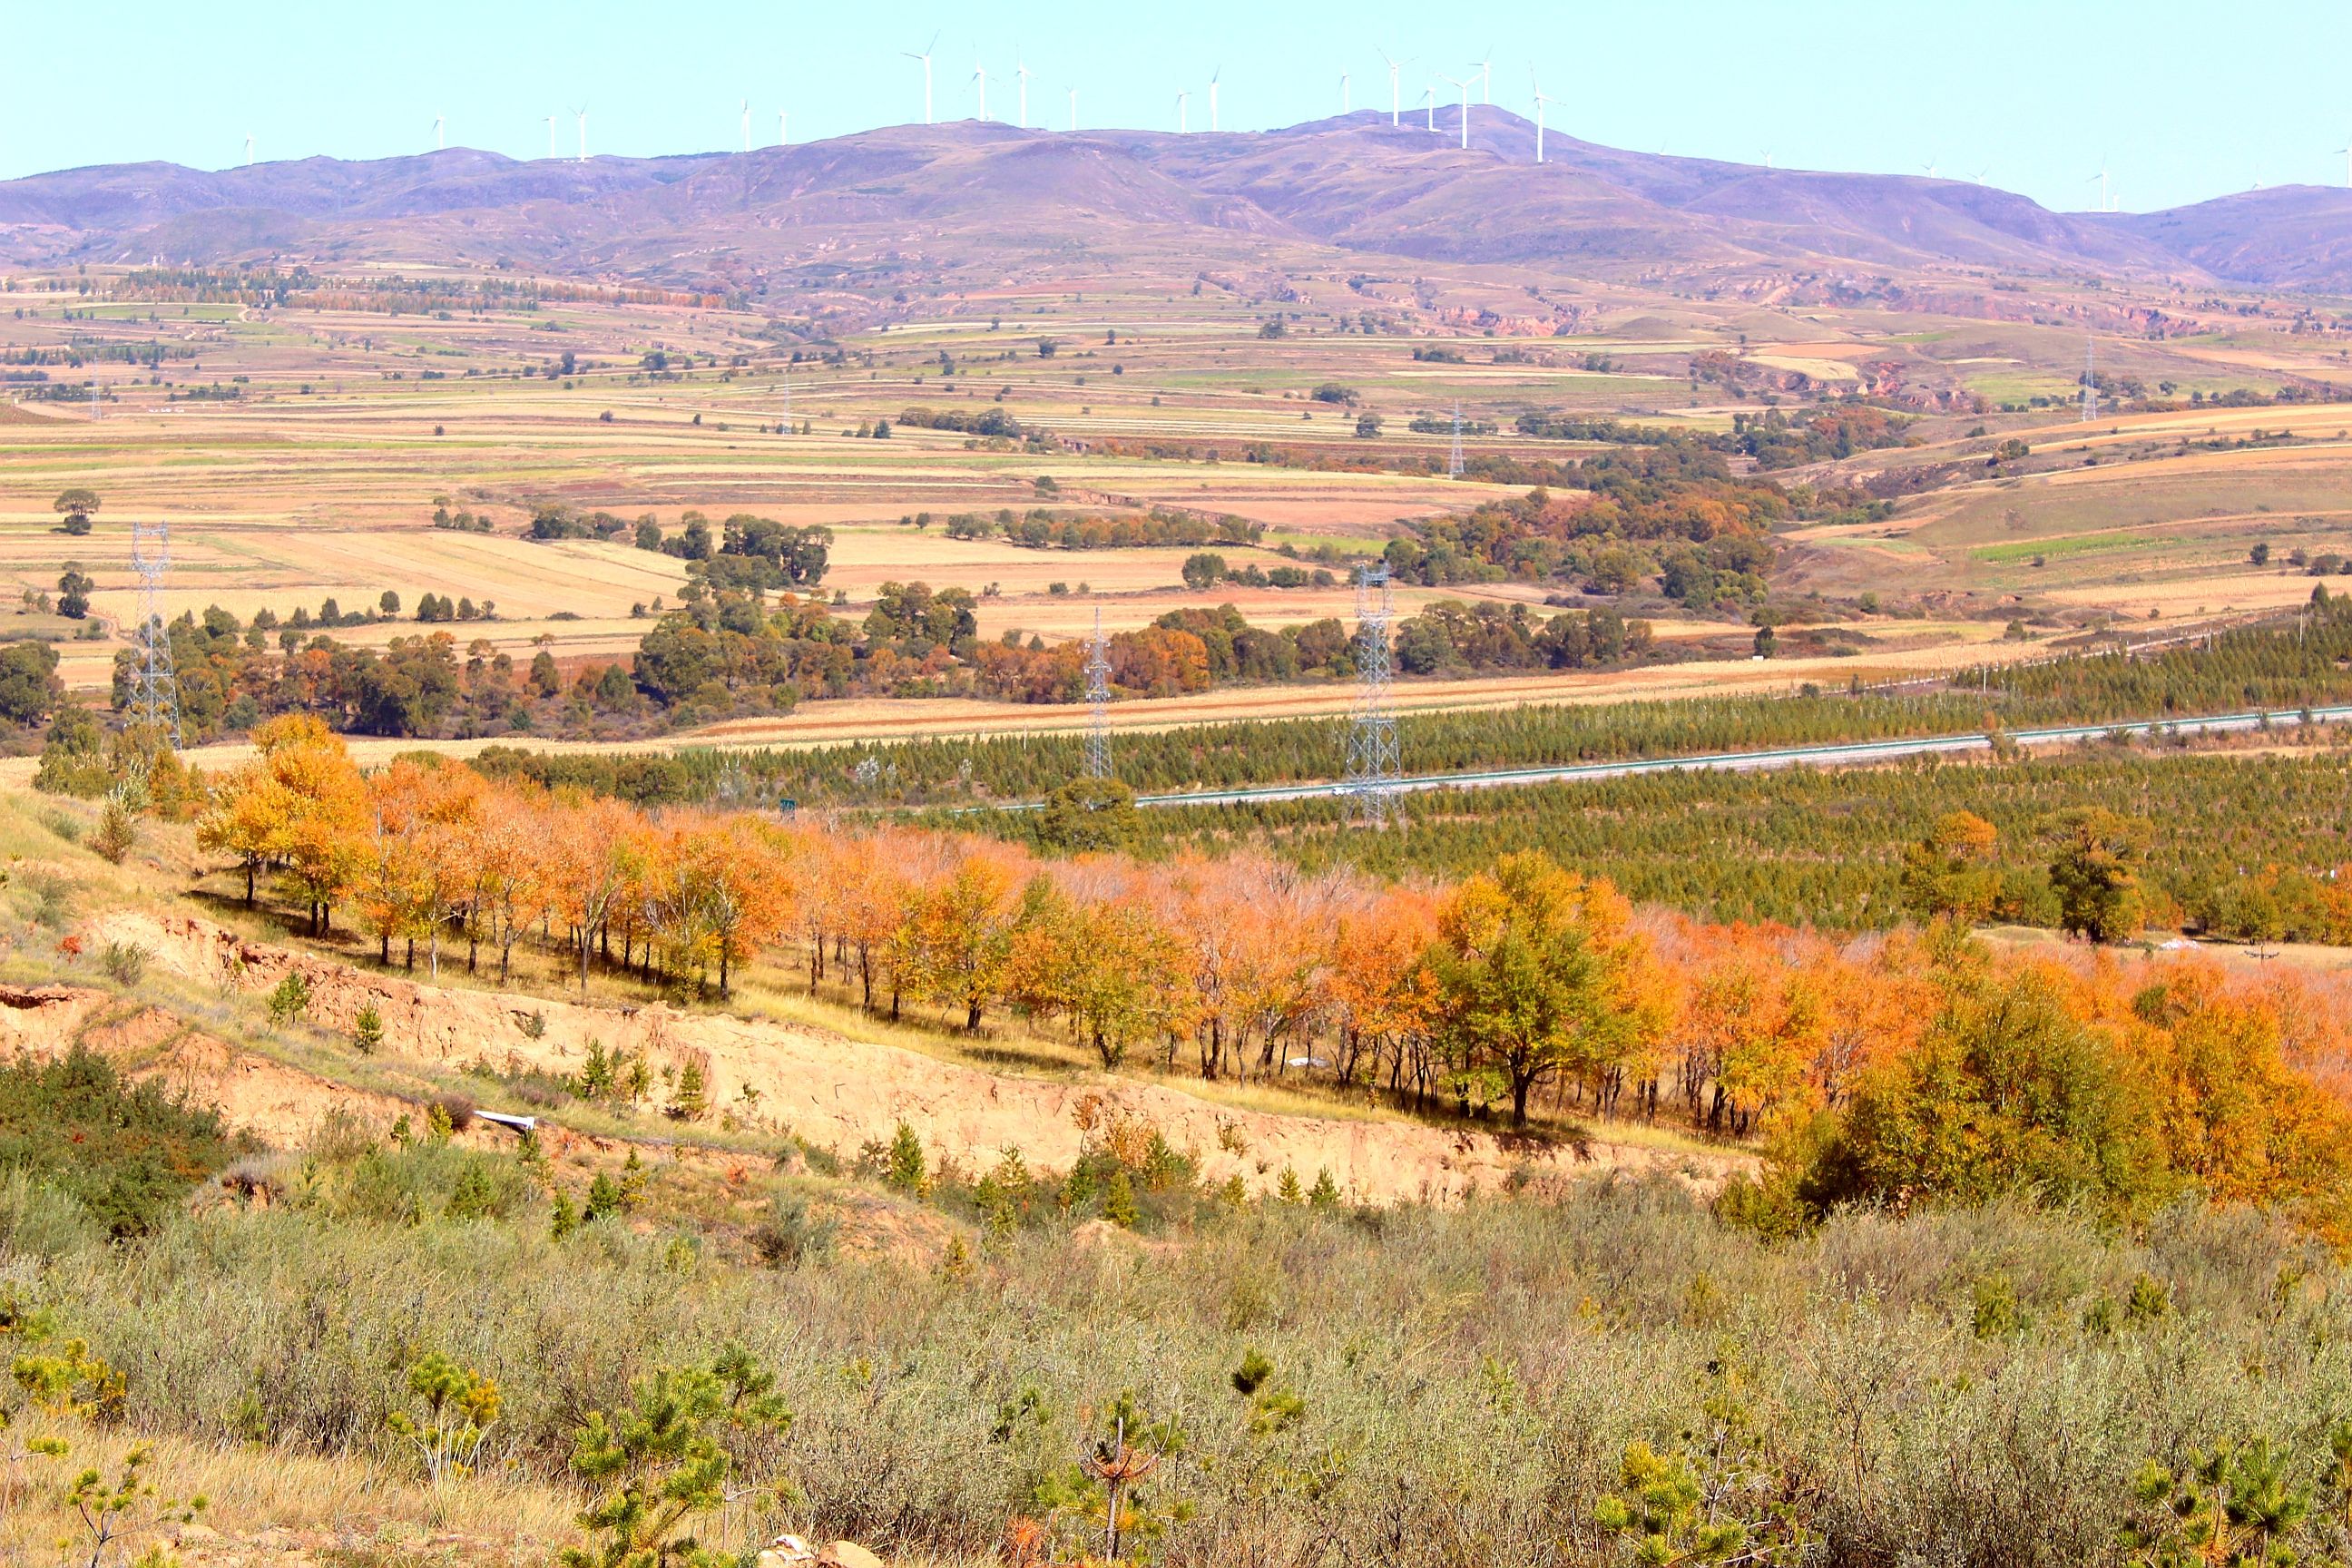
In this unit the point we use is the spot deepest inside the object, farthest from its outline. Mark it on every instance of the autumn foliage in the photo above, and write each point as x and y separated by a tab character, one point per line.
1911	1067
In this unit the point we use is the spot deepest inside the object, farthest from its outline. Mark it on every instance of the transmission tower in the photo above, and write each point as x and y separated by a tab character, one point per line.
1098	765
1453	461
156	689
2090	384
1372	783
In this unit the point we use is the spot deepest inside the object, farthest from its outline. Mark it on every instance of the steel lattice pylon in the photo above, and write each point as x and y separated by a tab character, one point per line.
155	685
1454	459
1372	783
2090	381
1098	763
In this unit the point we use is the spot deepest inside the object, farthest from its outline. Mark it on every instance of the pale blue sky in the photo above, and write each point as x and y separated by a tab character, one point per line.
2183	101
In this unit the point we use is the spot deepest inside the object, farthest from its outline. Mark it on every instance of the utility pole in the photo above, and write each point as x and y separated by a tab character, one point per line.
1372	782
155	688
1097	760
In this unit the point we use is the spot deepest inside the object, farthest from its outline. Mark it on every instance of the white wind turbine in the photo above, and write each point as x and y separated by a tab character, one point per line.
1395	103
2100	180
249	149
550	136
1540	102
1213	96
440	133
1429	104
1768	157
1021	71
1978	177
926	58
1930	168
747	125
1346	106
1182	127
979	75
1073	108
581	114
1463	83
784	123
1486	77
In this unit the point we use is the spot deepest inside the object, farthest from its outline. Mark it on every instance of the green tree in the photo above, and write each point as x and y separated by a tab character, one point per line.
29	687
454	1407
75	505
74	586
660	1465
1950	873
2234	1506
2094	869
1537	971
1088	815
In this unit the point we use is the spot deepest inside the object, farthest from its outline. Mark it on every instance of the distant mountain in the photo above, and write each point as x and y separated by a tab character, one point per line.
941	194
2289	236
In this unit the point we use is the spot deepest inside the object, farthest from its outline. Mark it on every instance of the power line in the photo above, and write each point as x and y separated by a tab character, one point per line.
1371	785
155	688
1098	763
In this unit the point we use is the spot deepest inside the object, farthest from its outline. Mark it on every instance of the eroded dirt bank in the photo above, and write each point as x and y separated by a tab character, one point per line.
828	1088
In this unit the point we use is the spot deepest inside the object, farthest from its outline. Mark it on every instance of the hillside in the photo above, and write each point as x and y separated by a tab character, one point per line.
943	192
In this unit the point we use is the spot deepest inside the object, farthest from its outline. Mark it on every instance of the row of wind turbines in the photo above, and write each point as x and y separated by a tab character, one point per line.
1482	76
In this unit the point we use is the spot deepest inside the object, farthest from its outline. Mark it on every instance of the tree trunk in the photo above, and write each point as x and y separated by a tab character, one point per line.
971	1018
248	884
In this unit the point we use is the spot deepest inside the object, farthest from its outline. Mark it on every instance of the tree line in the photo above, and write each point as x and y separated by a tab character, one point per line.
1522	985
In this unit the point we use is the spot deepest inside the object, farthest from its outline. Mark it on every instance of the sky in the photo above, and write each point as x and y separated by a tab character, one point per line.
2178	101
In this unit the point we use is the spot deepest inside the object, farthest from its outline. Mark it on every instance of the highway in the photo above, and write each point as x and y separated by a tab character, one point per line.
1839	753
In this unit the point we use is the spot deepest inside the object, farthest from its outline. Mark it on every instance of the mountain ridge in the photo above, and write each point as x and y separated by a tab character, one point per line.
1353	182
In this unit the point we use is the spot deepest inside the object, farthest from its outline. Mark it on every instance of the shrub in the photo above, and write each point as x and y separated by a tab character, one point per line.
791	1235
367	1030
123	961
290	999
117	831
128	1152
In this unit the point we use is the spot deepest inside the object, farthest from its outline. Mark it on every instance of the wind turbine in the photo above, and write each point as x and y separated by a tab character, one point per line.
1486	77
1346	105
747	125
926	58
440	133
1212	96
249	149
2100	180
1182	128
1978	177
1074	109
1394	102
783	121
1541	100
1463	83
979	75
1931	168
1768	157
1021	69
550	136
582	113
1429	102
